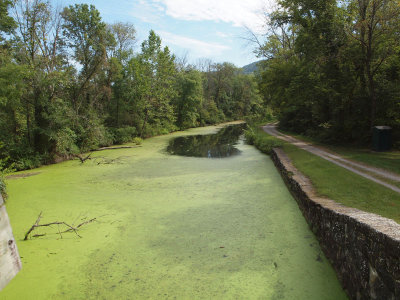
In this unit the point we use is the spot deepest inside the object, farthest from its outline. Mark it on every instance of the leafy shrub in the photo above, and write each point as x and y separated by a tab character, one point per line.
158	128
65	142
5	168
3	189
250	135
261	140
123	135
137	140
28	162
266	115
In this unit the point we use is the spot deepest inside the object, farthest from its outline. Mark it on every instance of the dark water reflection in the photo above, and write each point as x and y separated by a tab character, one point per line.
219	145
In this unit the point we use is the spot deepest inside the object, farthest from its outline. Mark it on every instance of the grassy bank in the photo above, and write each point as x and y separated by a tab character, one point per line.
344	186
262	141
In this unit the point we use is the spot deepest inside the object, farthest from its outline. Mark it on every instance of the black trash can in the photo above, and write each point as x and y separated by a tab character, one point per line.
382	138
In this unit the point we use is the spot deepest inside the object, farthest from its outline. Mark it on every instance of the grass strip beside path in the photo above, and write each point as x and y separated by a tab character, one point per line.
343	186
389	161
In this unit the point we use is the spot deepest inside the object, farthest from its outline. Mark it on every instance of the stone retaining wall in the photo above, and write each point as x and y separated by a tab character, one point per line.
363	248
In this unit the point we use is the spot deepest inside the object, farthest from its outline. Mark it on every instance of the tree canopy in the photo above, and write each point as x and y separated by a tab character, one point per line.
70	83
332	67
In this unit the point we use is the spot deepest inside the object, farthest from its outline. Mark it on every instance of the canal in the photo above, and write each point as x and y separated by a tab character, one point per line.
216	223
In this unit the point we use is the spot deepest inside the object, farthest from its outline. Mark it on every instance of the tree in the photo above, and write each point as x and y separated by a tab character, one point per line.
7	23
189	98
328	66
119	55
40	49
154	78
125	39
375	26
87	35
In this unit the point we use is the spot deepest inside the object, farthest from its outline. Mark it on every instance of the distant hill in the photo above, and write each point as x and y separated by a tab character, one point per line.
251	68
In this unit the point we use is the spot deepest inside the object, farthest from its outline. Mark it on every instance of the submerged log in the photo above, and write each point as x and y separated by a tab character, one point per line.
119	147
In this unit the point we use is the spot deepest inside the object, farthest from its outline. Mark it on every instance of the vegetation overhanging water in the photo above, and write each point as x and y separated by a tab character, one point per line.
168	227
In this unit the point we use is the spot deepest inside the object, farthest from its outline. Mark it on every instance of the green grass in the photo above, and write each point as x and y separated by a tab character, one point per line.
263	142
344	186
389	161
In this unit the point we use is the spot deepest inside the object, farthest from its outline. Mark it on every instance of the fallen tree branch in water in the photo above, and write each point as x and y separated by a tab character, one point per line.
101	160
83	159
33	226
80	225
58	223
119	147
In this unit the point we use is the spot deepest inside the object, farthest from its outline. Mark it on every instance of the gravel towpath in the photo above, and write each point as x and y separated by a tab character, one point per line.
363	170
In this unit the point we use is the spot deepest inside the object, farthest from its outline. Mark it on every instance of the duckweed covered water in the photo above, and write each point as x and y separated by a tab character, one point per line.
169	227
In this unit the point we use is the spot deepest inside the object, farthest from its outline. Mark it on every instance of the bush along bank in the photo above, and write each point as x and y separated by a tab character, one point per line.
265	143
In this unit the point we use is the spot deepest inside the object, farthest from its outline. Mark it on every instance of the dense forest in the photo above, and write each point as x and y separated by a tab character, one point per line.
71	83
332	68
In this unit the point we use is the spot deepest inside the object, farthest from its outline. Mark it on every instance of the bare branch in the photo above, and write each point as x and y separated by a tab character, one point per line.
83	159
33	226
58	223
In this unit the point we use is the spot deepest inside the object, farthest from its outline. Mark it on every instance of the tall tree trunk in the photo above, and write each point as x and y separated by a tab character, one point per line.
28	125
372	95
144	123
363	4
117	111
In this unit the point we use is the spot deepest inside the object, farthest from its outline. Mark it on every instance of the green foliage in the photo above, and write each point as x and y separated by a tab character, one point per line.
29	161
123	135
137	140
93	135
70	83
3	187
327	71
262	141
66	142
5	168
86	34
7	23
189	99
155	74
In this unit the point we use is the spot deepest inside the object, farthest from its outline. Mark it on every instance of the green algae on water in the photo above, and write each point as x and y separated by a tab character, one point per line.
168	227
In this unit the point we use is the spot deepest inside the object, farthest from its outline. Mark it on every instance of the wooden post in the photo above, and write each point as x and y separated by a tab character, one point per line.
10	262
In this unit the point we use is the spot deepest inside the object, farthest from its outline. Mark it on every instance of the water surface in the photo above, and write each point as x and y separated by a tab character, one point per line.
217	145
169	227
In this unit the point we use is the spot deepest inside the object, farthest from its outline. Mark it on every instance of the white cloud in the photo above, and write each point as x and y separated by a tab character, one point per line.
222	35
147	11
249	13
196	47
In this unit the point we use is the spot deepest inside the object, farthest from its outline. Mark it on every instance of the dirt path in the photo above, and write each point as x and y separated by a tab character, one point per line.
355	167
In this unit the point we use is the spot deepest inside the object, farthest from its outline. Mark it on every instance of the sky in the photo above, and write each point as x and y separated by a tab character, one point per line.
195	29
